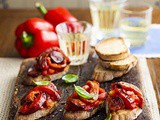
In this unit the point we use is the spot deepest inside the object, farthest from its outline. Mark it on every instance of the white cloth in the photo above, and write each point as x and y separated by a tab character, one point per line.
9	68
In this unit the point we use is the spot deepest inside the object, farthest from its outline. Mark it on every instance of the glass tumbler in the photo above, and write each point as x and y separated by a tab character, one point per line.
74	40
105	14
135	19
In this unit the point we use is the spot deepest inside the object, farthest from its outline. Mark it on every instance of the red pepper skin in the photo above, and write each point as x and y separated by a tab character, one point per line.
59	15
34	106
124	96
20	48
19	30
43	36
115	103
130	87
76	102
42	41
91	106
36	24
50	90
38	98
129	102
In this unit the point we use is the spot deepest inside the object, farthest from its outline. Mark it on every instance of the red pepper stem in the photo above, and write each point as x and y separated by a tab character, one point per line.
27	39
41	8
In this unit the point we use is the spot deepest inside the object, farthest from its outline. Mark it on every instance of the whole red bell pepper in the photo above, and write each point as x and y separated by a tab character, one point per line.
56	15
34	36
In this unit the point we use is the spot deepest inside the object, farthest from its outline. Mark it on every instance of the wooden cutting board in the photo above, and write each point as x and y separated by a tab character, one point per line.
138	76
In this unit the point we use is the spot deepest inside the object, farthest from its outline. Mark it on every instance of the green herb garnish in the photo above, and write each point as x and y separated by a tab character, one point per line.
70	78
42	83
109	117
83	93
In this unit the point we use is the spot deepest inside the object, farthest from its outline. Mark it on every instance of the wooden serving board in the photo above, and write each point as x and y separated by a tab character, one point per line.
138	76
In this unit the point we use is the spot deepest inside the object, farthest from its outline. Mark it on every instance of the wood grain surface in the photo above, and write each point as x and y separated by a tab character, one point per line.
9	19
84	72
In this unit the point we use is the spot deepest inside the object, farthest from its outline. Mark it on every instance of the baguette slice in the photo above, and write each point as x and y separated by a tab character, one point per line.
36	115
126	114
124	64
29	80
112	49
81	115
102	75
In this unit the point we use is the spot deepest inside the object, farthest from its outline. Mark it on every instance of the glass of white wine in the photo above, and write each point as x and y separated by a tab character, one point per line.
135	19
74	40
105	14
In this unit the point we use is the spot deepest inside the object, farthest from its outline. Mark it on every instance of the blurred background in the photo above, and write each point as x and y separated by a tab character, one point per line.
28	4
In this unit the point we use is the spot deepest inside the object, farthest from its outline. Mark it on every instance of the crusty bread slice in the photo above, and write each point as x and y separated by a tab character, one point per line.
36	115
81	115
126	114
29	80
124	64
112	49
102	75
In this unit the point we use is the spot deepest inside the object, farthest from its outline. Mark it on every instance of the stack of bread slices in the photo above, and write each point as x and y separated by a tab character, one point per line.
115	59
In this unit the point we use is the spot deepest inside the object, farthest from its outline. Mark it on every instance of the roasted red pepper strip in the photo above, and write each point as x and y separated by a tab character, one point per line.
30	96
49	102
129	102
39	97
102	96
130	87
34	36
78	103
115	103
56	15
90	106
75	102
128	93
55	95
37	104
94	85
51	61
55	65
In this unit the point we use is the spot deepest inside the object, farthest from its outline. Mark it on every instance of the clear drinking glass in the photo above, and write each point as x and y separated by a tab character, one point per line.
105	14
135	19
74	40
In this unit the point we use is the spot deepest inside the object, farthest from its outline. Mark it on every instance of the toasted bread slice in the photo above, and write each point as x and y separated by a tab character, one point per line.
36	115
124	64
126	114
102	75
29	80
112	49
81	115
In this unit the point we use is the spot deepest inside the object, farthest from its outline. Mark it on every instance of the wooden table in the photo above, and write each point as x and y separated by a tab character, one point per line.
9	19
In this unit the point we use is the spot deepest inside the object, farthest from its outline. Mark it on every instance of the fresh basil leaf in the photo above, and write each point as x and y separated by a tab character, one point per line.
109	117
83	93
70	78
42	82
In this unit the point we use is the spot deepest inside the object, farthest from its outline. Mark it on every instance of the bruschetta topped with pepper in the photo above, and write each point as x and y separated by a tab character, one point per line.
50	65
39	102
124	101
85	101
